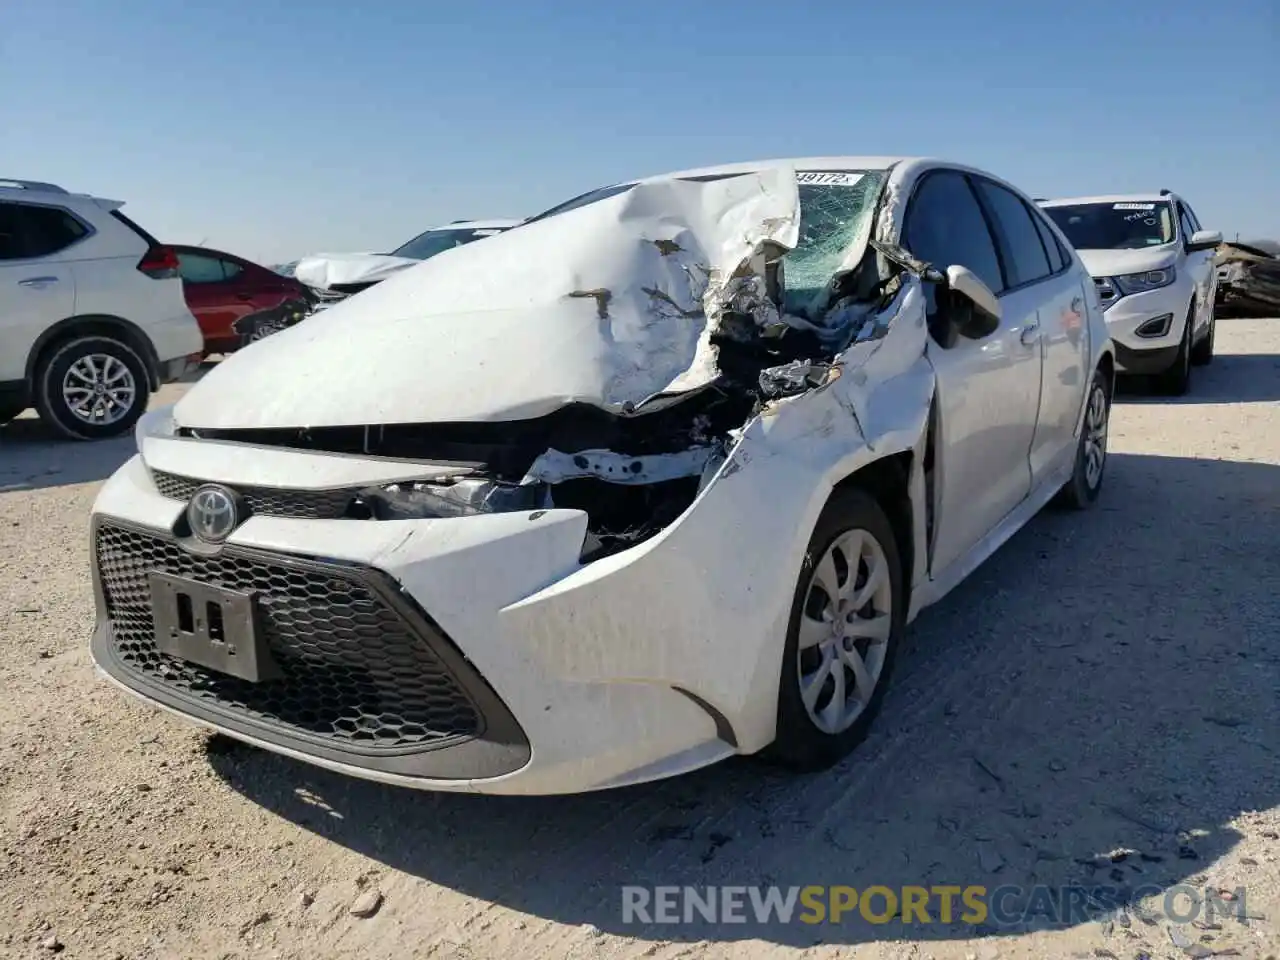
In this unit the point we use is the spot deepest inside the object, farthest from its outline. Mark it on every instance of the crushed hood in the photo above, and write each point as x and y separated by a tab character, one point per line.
612	304
325	270
1117	263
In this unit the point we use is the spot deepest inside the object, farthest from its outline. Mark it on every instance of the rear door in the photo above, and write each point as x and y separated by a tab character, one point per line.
37	287
1051	296
988	389
213	297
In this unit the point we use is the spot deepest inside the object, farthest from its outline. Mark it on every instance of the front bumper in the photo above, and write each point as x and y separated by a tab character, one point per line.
1137	354
517	670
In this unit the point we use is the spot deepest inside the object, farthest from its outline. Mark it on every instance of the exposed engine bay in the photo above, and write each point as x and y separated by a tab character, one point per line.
726	297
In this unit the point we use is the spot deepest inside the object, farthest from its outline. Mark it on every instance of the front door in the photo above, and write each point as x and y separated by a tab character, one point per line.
987	390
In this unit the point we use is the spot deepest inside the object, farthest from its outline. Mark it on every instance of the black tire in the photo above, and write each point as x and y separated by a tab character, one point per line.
1202	352
799	743
53	406
1081	491
1176	381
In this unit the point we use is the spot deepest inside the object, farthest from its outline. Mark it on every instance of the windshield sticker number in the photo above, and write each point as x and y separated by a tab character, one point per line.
1134	206
836	178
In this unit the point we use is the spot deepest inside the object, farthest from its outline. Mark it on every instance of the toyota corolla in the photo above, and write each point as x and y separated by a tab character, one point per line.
659	477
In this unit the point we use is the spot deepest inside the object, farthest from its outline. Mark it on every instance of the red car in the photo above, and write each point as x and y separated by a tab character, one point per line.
235	301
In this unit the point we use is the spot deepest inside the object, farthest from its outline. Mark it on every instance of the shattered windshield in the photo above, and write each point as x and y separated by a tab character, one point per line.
1114	226
432	242
835	213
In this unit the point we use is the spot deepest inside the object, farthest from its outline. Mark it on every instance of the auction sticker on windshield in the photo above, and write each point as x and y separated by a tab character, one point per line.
837	178
1134	206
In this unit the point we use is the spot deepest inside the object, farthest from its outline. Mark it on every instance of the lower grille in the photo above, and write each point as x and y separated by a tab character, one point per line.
265	501
355	673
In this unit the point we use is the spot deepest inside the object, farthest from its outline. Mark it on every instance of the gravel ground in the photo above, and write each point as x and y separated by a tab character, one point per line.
1106	683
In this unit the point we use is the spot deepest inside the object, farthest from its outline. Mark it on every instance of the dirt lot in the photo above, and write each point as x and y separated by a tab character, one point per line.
1107	682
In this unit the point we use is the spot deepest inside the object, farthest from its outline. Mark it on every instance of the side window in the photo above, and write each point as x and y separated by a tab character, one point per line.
944	226
1191	215
12	234
196	268
1057	256
230	269
1184	222
1021	249
30	231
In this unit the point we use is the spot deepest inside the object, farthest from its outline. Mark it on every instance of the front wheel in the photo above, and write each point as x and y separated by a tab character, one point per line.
92	388
847	619
1202	353
1176	381
1091	450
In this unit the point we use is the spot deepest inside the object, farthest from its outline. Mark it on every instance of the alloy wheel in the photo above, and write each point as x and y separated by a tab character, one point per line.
99	389
1095	436
845	627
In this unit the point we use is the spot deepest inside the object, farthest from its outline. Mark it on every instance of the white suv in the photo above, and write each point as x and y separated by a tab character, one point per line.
1152	265
92	313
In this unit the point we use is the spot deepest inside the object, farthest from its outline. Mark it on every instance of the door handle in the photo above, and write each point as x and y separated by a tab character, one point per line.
37	281
1076	304
1030	334
244	296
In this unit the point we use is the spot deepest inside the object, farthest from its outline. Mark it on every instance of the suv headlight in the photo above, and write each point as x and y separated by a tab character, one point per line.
1132	283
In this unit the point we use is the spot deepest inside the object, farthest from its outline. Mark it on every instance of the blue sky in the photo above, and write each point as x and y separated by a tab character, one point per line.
276	129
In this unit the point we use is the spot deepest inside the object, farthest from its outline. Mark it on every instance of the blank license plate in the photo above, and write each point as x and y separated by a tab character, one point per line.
209	626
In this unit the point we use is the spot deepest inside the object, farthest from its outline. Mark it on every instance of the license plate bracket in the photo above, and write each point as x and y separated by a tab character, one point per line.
209	626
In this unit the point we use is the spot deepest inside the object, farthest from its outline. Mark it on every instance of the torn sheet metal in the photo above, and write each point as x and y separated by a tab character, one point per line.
324	271
555	466
609	304
1248	279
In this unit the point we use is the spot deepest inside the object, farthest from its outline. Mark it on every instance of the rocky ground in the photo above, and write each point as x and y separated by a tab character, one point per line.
1097	704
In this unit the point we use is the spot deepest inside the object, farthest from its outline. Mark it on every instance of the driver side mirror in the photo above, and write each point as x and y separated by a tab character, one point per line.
1204	240
975	309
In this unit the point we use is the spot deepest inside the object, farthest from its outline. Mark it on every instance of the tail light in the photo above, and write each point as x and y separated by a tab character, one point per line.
159	263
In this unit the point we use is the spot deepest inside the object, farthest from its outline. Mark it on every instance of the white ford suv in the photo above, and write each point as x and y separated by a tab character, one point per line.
1152	265
92	313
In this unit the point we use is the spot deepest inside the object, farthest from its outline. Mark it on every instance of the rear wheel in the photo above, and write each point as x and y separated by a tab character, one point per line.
1176	381
847	618
92	388
1091	451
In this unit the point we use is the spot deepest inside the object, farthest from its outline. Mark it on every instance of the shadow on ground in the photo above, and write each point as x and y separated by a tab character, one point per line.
1093	687
1232	378
33	456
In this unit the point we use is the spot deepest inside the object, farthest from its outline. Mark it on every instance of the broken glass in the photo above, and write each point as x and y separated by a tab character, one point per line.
835	213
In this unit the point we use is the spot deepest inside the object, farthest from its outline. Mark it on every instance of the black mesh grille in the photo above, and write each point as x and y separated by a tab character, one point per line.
265	501
354	670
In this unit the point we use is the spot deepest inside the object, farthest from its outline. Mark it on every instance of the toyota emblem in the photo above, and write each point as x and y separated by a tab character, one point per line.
213	513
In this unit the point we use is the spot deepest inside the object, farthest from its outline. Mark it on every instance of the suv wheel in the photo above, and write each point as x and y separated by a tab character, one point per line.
1176	381
847	619
92	388
1202	353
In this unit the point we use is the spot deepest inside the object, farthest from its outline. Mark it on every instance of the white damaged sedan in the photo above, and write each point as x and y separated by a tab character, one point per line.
658	477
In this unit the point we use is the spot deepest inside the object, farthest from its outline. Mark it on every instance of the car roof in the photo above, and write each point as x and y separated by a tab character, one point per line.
800	163
1110	198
